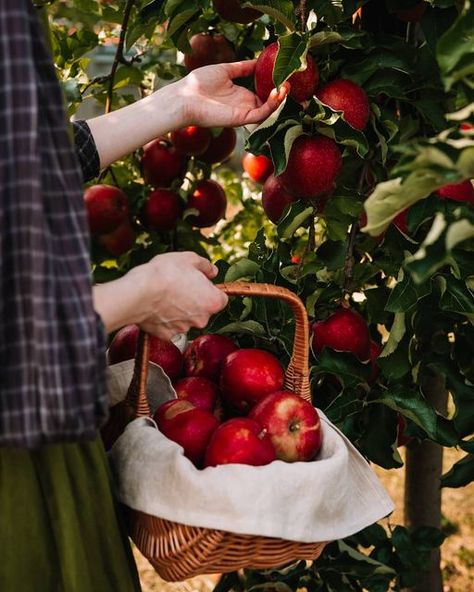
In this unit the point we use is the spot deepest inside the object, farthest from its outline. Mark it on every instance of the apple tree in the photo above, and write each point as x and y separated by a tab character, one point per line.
368	216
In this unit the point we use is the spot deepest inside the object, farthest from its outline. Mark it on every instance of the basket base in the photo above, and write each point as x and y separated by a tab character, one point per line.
178	551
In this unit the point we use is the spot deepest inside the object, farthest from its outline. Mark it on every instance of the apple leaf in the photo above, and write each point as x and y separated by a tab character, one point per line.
282	11
344	365
244	268
280	148
296	215
406	294
291	57
324	38
247	327
397	331
460	474
379	440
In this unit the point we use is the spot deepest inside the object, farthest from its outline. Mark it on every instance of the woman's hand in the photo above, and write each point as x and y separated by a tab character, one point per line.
168	295
211	99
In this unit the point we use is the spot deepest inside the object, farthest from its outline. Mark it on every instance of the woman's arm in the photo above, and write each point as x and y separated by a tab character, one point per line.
206	97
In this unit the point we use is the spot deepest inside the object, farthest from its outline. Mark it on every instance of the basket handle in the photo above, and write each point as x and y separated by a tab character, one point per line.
297	372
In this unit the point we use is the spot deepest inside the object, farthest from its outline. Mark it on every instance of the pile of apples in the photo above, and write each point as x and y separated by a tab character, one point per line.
231	405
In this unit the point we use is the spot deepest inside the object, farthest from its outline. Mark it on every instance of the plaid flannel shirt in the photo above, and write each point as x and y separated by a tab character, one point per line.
52	344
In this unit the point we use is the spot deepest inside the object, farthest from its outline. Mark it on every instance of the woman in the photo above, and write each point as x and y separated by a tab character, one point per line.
59	527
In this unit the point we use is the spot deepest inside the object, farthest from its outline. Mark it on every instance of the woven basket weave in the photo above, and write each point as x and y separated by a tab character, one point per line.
179	551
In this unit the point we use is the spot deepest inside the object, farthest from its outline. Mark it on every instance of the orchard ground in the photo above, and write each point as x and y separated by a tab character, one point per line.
457	551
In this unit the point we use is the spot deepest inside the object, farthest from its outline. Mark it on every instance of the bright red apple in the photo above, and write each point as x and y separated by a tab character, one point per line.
348	97
258	168
292	423
275	198
248	375
191	140
463	191
303	83
207	49
107	208
239	440
162	210
161	163
345	330
188	426
205	355
313	165
230	10
221	146
199	391
164	353
119	241
209	199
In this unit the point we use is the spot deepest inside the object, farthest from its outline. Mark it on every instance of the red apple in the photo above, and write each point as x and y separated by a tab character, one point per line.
402	438
161	164
375	349
292	423
239	440
188	426
463	191
275	198
209	199
119	241
230	10
313	165
401	221
258	168
199	391
191	140
345	330
107	208
248	375
164	353
205	355
207	49
221	146
466	126
348	97
303	84
162	210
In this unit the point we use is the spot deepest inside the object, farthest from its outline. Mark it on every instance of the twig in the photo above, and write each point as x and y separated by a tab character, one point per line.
96	80
302	13
118	54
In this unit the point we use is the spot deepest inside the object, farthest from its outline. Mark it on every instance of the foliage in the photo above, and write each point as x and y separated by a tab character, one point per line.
414	286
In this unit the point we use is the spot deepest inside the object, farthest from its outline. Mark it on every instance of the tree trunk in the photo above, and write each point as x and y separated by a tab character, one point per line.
424	467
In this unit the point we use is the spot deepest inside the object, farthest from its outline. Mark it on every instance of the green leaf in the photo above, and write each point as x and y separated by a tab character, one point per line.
324	38
456	296
246	327
406	294
397	331
378	442
460	474
291	57
295	217
344	365
280	150
244	268
282	11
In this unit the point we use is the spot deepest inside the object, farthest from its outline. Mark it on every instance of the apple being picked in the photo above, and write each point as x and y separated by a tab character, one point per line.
199	391
205	355
188	426
164	353
292	423
248	375
239	440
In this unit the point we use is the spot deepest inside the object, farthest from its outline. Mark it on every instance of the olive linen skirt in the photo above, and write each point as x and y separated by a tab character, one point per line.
60	528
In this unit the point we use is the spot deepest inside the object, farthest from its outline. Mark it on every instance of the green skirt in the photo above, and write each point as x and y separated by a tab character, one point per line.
60	529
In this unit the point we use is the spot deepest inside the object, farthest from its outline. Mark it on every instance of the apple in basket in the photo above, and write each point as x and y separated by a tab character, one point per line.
199	391
205	354
292	423
248	375
188	426
239	440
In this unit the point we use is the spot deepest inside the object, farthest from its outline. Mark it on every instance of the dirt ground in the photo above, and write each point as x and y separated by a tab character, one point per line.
457	551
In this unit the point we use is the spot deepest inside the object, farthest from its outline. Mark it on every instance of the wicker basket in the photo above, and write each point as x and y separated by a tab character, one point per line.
179	551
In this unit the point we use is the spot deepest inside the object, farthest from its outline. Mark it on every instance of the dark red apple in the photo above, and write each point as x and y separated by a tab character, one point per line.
401	221
248	375
239	440
463	191
191	140
205	355
258	168
275	198
466	126
313	165
292	423
303	84
345	330
107	208
403	439
221	146
348	97
412	14
161	163
119	241
188	426
209	199
230	10
207	49
199	391
375	350
162	210
164	353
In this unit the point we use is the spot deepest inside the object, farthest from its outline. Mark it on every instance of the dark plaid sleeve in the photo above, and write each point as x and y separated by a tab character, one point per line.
86	150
